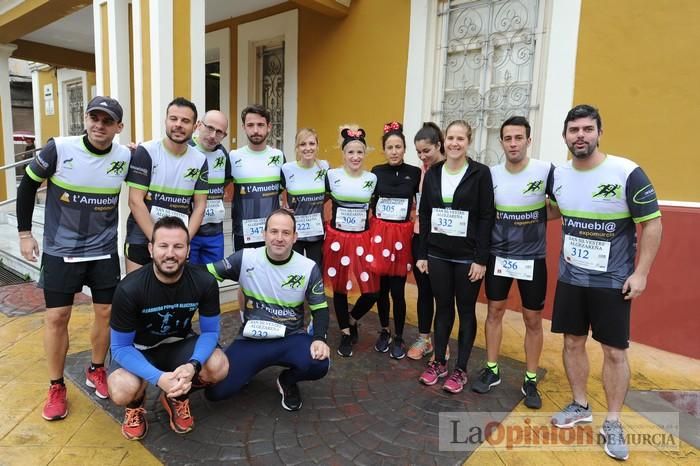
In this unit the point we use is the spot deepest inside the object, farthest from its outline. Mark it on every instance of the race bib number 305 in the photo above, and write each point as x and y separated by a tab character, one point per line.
513	268
449	222
263	330
350	219
588	254
309	225
390	208
253	230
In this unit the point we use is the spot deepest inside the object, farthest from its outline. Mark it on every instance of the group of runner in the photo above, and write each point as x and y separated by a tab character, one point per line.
470	223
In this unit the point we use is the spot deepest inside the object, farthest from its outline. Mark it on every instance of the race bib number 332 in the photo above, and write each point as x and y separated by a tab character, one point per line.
449	222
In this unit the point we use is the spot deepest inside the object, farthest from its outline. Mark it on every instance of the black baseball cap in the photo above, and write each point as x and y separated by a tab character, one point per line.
108	105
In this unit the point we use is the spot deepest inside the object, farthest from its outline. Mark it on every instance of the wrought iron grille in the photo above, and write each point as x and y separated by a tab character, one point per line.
74	90
273	92
488	49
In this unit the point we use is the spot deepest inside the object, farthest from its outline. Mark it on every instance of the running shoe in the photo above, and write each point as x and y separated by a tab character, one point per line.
383	341
420	348
456	381
97	379
487	379
345	348
614	436
354	333
572	415
291	398
181	421
434	371
56	406
135	426
397	349
533	400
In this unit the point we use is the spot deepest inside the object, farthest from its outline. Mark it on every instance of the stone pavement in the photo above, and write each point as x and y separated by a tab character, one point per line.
369	410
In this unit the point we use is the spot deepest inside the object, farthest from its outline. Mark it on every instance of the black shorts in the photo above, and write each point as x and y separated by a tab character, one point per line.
168	356
604	310
532	292
60	280
137	253
239	243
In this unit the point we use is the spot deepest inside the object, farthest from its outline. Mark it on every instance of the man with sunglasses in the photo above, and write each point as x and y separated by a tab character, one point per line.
84	175
207	245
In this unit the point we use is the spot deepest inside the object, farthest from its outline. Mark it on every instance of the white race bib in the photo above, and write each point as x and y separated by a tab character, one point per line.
350	219
418	195
514	268
215	211
449	222
309	225
158	212
263	329
391	208
73	260
588	254
253	230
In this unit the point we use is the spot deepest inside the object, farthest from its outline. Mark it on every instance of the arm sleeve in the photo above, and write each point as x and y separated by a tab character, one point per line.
641	197
140	168
201	186
208	338
26	193
131	359
487	215
316	298
228	268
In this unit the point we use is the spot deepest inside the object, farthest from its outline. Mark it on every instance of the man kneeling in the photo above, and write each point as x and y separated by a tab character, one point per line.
275	282
152	337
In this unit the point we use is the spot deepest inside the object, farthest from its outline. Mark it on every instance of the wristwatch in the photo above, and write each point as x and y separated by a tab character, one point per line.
197	366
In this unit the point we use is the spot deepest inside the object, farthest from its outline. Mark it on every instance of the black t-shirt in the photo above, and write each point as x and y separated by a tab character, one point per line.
158	311
396	182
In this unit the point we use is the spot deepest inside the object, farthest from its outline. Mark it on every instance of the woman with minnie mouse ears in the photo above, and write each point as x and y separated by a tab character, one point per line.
346	247
391	231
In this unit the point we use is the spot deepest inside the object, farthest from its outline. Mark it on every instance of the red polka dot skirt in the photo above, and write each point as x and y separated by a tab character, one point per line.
346	256
390	244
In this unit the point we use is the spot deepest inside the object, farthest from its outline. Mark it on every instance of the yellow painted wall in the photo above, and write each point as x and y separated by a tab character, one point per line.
49	123
91	81
6	157
353	70
637	62
182	58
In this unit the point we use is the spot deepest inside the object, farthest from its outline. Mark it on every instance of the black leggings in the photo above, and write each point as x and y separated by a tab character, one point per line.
362	306
396	285
311	249
426	300
450	281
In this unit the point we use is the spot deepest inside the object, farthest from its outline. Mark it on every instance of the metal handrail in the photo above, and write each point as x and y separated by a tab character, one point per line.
33	152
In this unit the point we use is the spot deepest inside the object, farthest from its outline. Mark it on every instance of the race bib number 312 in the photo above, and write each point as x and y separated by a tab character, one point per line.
588	254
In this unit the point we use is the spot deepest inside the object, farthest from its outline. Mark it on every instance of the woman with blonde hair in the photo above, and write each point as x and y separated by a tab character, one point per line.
304	181
346	247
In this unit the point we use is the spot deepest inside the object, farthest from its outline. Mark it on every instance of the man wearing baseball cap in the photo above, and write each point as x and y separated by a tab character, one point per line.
84	176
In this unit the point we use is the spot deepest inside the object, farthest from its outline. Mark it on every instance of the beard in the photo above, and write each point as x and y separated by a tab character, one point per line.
582	153
169	273
178	139
257	139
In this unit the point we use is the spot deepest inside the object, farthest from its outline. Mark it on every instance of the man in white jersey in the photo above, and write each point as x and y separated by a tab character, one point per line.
256	169
84	176
601	198
167	178
518	251
208	245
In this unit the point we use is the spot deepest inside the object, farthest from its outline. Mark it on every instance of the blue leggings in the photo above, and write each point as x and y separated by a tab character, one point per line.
248	357
206	249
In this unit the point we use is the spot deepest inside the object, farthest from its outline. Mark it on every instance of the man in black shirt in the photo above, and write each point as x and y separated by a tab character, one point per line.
152	337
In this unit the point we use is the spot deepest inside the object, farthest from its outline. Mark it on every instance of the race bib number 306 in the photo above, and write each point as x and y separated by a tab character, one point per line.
350	219
449	222
588	254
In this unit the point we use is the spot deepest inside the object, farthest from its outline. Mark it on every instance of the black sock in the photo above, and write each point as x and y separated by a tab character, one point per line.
58	382
94	365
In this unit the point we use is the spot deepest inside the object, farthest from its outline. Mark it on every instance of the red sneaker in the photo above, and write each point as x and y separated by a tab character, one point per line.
455	383
135	426
97	379
181	421
56	406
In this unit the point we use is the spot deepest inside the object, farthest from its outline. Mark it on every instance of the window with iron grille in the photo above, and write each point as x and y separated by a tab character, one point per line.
489	54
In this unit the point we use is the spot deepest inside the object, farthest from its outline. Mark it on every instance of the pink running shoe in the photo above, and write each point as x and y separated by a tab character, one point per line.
455	383
434	372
